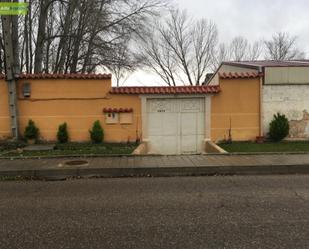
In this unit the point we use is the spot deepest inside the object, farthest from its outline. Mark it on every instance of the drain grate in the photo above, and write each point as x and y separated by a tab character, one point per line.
76	163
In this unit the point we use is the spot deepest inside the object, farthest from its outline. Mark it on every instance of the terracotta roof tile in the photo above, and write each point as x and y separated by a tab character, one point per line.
117	110
240	75
166	90
62	76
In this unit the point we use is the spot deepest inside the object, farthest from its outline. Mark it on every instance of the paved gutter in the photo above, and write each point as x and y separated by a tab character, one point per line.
156	172
126	166
2	157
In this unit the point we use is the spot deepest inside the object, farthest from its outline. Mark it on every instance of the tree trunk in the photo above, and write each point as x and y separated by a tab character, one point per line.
63	44
77	41
1	55
29	38
15	41
86	65
41	37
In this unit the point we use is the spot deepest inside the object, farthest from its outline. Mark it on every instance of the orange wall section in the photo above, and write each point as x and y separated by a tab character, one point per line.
5	130
238	103
79	102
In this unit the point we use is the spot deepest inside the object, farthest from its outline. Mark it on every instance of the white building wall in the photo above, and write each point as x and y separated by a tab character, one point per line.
291	100
236	69
287	75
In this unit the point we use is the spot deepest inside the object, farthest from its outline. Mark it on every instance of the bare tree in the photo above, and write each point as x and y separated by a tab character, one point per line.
219	55
64	44
64	36
283	46
124	63
41	35
255	51
158	56
15	37
180	48
239	49
1	53
204	39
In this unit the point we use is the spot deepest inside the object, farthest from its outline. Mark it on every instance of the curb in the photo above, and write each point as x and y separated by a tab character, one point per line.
60	156
61	174
74	156
3	157
152	155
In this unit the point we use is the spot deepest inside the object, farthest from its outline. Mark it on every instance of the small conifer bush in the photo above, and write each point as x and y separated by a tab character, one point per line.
31	131
97	133
62	134
279	127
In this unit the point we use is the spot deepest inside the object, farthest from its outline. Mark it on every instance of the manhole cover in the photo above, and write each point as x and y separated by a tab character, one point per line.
76	163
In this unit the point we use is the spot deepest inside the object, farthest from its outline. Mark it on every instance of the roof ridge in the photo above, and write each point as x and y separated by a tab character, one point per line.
194	86
24	75
165	89
239	75
268	63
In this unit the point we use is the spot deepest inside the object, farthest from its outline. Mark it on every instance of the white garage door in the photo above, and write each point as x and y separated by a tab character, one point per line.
176	126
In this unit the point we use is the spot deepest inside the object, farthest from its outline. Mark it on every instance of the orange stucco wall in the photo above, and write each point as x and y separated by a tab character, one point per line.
238	102
4	111
78	102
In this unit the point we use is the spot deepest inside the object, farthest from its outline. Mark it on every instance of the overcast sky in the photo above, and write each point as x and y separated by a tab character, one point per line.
253	19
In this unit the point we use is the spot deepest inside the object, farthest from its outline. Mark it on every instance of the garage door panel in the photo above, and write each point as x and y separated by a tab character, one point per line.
200	142
154	146
169	124
170	144
191	105
155	124
163	145
188	124
175	126
200	124
188	144
162	106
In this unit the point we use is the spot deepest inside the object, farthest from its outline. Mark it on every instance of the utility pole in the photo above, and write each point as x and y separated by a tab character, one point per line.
10	74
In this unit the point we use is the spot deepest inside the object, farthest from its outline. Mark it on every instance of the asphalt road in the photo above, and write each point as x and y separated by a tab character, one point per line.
187	212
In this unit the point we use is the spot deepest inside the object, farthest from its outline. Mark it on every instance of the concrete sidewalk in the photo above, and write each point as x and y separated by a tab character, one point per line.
156	166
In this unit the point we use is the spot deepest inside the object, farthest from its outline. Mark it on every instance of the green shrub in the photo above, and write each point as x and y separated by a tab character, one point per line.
279	127
62	134
31	131
11	145
97	133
